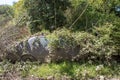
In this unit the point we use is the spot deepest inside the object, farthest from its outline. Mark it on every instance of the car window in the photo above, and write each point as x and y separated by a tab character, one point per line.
43	41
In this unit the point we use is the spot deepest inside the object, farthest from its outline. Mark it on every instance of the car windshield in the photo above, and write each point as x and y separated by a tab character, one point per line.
34	41
43	41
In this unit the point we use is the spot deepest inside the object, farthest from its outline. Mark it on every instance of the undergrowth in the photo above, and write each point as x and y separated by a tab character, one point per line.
73	70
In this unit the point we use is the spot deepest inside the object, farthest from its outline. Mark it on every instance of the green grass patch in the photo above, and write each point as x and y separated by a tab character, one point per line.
72	70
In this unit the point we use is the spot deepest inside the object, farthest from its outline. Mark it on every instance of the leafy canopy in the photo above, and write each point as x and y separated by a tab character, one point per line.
48	13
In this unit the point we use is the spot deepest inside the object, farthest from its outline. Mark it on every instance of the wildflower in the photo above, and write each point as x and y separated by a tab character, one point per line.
102	78
99	68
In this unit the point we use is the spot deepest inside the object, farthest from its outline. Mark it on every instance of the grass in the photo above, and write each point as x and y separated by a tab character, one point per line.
70	69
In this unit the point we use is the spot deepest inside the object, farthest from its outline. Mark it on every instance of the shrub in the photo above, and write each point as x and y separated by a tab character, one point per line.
62	44
8	37
115	36
65	44
80	46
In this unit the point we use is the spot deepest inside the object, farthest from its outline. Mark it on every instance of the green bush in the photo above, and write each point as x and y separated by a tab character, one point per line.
115	35
81	45
62	39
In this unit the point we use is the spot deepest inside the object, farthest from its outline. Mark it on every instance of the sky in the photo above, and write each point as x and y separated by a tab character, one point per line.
10	2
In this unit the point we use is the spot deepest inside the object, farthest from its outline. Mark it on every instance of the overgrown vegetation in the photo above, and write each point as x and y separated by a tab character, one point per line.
64	70
82	45
87	33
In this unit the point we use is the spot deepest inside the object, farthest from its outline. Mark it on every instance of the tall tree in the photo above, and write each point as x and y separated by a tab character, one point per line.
48	13
97	13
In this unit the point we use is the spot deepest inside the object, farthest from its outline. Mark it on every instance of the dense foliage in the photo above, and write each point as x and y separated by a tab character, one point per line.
88	46
115	35
91	25
83	35
43	14
6	14
6	10
76	14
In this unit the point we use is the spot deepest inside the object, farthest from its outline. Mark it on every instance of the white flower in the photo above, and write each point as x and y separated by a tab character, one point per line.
99	67
102	78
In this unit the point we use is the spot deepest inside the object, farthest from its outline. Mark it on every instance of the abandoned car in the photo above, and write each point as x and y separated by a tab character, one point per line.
34	48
